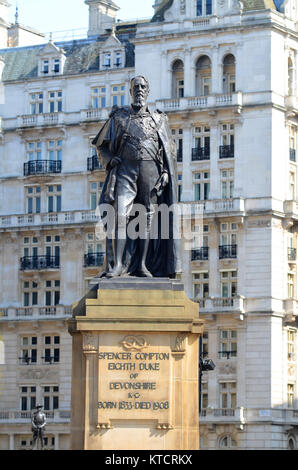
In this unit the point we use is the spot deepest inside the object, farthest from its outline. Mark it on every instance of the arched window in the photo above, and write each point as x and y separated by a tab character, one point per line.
229	74
227	442
203	76
291	74
178	79
204	7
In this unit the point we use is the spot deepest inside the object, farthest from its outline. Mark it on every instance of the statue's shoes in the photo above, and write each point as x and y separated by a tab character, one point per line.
145	273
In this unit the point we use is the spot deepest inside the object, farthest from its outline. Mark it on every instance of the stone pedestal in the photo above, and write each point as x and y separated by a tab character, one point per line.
135	367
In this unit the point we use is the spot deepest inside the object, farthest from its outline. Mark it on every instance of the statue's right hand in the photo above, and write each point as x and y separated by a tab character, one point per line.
115	161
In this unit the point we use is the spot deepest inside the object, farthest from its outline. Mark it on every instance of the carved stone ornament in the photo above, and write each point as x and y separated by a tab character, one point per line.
182	6
90	342
227	369
38	374
134	343
180	343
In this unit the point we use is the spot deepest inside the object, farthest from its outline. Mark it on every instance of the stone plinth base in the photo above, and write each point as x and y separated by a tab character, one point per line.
135	367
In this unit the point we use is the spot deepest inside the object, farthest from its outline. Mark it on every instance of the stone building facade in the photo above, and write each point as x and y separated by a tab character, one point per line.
225	72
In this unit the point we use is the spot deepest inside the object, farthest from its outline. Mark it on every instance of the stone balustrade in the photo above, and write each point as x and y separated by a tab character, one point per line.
32	313
17	416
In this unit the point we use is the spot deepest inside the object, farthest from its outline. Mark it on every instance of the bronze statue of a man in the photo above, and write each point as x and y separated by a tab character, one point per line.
136	148
38	423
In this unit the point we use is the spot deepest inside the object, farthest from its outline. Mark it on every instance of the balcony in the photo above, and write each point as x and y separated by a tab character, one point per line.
218	305
93	163
226	151
292	254
56	218
94	259
43	119
95	114
292	155
227	251
200	254
223	415
200	102
42	167
200	153
33	313
17	416
39	262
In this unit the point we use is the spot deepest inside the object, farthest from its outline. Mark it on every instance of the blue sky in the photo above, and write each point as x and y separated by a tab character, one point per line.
60	15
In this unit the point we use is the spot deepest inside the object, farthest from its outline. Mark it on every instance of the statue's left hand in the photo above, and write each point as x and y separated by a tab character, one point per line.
164	179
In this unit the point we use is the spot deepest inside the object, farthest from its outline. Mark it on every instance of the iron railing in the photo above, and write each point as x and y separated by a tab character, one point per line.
200	153
93	163
226	151
227	251
40	262
42	167
94	259
200	254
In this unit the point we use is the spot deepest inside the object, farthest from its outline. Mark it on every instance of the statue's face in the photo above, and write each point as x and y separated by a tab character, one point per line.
139	92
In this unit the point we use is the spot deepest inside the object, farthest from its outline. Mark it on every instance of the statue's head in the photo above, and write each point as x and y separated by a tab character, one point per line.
139	90
38	406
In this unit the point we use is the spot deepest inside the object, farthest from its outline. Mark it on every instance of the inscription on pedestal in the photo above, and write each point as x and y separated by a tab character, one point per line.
134	379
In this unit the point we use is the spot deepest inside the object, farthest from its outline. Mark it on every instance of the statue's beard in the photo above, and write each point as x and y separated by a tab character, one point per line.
139	101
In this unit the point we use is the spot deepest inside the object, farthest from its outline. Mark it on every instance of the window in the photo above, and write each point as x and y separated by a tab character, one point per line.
291	341
118	59
204	395
107	60
229	77
201	149
118	95
95	192
205	343
228	284
34	151
228	344
32	199
54	198
56	66
27	398
28	350
52	292
204	7
178	79
227	442
291	77
227	184
291	395
30	246
51	397
55	150
178	137
92	246
55	101
203	76
51	349
36	103
228	396
200	283
228	240
180	187
98	97
227	134
201	185
30	288
52	250
292	142
45	67
291	284
292	185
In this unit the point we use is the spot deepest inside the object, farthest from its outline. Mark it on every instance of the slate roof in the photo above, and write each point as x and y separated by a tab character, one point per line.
82	56
247	5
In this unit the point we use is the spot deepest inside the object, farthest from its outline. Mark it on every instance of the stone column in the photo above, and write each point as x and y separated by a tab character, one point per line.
11	442
90	348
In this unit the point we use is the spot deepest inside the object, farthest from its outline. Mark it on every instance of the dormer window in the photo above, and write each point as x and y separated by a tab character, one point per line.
107	60
204	7
45	68
51	60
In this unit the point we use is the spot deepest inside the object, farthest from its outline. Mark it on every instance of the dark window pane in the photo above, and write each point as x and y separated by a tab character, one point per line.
46	402
55	403
56	355
34	355
56	339
47	340
24	403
